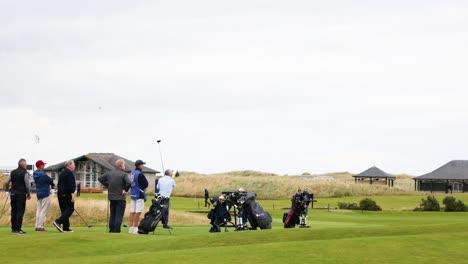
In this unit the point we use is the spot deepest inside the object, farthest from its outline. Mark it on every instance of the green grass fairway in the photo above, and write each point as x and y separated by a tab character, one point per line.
336	237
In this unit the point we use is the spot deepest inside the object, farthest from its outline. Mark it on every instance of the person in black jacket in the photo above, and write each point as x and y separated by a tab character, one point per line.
19	192
207	196
65	192
219	215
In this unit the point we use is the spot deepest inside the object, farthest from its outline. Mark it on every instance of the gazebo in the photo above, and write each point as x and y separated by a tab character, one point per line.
375	174
451	177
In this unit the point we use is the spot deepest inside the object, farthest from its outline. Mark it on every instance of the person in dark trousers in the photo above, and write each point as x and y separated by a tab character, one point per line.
137	195
65	193
165	186
19	192
207	196
117	183
78	189
307	198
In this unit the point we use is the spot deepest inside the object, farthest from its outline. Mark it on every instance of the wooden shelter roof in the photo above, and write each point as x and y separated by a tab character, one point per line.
453	170
107	160
374	172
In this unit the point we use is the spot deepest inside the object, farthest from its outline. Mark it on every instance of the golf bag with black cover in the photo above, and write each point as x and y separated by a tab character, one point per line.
298	212
153	216
257	217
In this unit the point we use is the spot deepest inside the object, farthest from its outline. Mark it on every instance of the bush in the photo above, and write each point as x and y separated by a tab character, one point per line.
349	206
369	205
429	204
453	205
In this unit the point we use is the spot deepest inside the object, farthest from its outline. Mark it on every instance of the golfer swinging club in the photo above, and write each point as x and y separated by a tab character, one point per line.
165	186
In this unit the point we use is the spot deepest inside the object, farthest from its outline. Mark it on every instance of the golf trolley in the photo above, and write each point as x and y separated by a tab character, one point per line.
238	201
246	209
298	213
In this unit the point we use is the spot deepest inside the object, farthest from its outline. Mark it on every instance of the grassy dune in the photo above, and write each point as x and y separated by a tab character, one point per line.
270	186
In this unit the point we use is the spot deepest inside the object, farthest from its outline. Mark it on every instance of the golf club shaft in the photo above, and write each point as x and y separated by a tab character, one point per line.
160	155
81	217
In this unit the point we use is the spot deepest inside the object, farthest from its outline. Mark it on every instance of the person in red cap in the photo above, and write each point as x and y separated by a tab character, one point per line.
43	185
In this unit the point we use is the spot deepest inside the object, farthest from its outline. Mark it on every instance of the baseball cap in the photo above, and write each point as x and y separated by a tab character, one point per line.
139	162
40	163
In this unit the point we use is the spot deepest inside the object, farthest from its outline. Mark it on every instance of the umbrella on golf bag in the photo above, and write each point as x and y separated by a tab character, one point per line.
153	216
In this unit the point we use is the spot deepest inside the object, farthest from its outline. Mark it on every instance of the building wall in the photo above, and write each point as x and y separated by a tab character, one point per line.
87	173
442	186
434	186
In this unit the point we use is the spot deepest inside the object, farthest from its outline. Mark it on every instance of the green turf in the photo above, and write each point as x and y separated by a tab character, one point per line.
335	237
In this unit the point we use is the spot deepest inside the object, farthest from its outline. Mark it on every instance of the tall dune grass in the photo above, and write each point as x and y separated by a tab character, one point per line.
280	187
92	210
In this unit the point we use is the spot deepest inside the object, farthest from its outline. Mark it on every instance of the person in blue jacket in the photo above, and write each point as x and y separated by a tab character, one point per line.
43	185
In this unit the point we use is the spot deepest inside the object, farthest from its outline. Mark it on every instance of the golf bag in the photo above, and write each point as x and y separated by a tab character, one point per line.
153	216
299	210
253	212
248	210
257	217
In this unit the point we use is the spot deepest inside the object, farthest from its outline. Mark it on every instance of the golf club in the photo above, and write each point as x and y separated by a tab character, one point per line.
83	219
160	155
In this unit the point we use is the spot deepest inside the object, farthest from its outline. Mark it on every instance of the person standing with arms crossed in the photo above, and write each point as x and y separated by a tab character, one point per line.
19	192
137	195
66	197
165	186
43	185
118	183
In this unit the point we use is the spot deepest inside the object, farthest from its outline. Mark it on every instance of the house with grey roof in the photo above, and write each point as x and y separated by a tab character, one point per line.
92	165
451	177
375	175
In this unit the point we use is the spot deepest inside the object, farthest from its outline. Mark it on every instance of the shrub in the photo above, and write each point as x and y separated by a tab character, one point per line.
429	204
453	205
369	205
350	206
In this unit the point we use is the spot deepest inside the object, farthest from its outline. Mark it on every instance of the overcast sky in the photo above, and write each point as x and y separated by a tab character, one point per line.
276	86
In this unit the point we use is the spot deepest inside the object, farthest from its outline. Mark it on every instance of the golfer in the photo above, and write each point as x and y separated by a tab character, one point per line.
118	183
137	195
19	192
66	197
165	186
43	185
